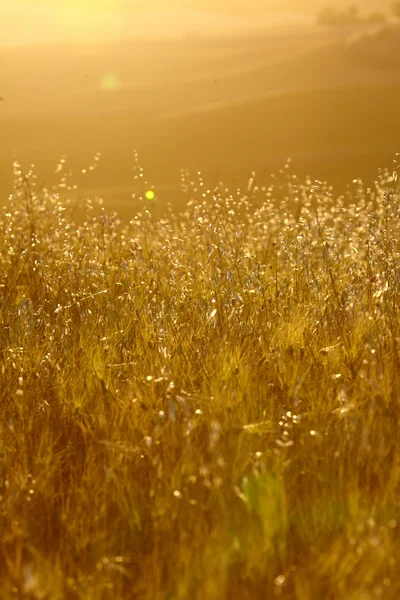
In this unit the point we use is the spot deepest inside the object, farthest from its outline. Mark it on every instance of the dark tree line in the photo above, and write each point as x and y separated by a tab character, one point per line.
351	16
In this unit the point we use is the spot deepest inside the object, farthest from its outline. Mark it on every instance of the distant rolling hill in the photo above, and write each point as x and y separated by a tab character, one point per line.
222	107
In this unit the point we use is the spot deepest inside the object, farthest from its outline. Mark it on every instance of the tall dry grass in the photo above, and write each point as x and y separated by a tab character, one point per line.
201	405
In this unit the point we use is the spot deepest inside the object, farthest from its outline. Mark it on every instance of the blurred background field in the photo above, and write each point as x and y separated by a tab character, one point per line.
224	94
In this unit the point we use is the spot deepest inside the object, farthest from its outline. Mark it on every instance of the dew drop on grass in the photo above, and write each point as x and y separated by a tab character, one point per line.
280	580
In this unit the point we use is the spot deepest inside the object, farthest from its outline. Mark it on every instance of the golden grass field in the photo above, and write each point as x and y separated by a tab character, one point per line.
201	405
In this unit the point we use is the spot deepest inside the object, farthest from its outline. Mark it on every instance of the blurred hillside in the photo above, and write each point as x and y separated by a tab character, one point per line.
226	106
379	47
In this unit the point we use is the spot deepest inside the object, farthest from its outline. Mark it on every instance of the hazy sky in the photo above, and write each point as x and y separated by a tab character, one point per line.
236	6
33	21
24	22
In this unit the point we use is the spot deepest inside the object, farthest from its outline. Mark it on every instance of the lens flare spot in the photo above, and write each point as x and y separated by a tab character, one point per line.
150	195
110	82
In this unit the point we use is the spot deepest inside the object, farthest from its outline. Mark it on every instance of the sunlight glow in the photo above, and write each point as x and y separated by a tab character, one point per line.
90	20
